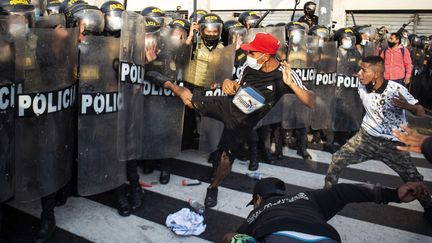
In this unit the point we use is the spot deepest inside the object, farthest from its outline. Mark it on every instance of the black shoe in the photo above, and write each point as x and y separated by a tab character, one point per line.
136	198
211	197
214	157
147	169
253	165
279	157
329	148
268	158
428	215
124	208
62	196
304	154
164	177
47	228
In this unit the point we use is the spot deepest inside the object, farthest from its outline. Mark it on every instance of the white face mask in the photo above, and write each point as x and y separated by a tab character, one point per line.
321	42
346	44
253	63
296	39
364	42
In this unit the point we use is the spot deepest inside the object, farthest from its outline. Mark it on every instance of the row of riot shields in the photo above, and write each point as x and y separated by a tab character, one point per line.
332	74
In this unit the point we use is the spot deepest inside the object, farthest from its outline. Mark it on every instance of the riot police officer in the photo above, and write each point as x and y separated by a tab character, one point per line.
309	16
249	19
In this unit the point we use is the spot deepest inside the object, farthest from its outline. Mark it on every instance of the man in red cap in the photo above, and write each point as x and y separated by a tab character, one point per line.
262	82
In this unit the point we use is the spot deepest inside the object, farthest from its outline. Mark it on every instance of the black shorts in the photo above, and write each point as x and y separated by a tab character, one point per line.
221	108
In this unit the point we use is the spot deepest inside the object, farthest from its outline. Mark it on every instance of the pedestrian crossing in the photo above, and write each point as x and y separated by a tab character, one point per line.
95	219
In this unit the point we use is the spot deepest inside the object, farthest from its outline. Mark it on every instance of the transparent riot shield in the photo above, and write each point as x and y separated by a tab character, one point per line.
99	169
237	37
208	69
347	106
45	114
51	21
302	56
11	53
324	87
210	129
131	82
163	123
370	49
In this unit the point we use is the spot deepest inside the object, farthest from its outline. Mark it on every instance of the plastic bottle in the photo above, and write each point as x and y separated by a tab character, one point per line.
191	182
255	175
198	207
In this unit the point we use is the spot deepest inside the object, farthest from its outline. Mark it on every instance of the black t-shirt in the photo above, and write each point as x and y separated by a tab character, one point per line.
271	86
308	212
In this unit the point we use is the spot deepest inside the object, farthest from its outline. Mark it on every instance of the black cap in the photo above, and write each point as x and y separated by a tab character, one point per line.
268	186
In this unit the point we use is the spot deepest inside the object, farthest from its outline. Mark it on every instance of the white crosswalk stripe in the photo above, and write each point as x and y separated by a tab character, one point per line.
100	223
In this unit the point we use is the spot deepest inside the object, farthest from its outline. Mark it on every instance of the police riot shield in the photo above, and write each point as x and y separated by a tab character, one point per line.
99	169
163	123
45	128
369	49
51	21
347	106
208	69
131	82
237	37
324	87
210	129
11	52
276	31
302	56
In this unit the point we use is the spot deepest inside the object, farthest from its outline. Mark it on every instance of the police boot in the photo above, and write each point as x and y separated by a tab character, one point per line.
164	177
123	206
253	160
268	157
47	228
48	224
62	195
137	195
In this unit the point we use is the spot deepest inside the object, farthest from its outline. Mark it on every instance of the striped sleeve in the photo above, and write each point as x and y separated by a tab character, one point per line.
242	68
297	80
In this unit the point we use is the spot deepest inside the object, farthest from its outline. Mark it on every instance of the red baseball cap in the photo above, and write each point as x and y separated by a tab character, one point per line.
262	42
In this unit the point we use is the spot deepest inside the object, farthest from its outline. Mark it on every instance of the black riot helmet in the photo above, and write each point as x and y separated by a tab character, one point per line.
249	19
67	4
112	11
232	28
85	16
309	8
179	29
156	13
414	40
294	25
21	8
364	33
424	42
53	7
210	27
152	26
152	29
296	32
321	31
345	38
199	13
180	23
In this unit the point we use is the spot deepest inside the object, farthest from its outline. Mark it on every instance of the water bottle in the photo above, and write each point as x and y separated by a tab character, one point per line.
255	175
198	207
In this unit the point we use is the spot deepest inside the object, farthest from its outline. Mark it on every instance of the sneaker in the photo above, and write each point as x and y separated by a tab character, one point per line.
211	197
